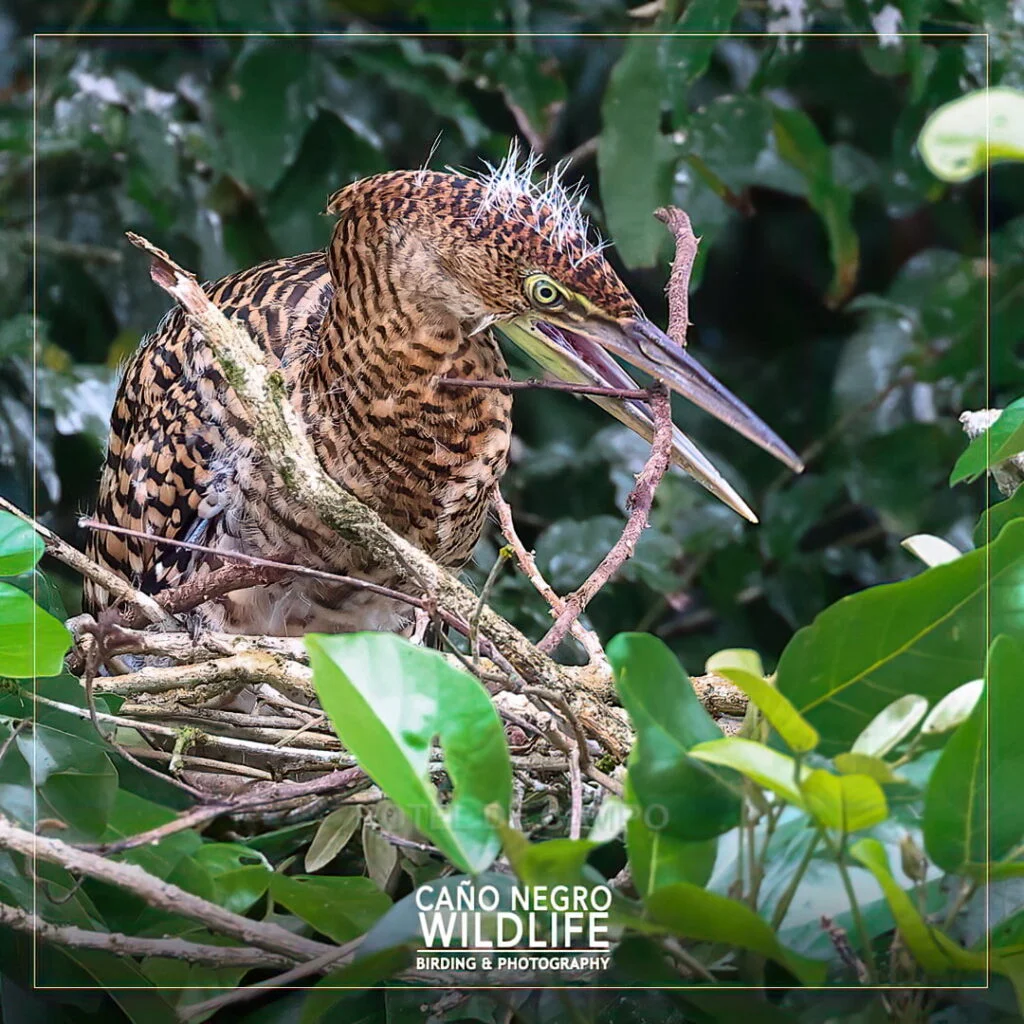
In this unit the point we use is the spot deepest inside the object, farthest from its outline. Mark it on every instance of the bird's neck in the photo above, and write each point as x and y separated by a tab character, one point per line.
424	455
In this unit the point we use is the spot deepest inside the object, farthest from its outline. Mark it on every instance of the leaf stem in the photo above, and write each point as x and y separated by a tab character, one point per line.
839	853
787	897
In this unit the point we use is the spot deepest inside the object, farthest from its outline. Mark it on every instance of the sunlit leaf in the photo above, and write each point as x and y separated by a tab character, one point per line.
844	802
962	137
20	546
32	642
953	708
931	550
1002	440
758	763
387	699
891	726
798	734
865	764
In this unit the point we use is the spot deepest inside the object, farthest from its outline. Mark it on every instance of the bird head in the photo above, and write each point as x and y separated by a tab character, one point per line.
512	252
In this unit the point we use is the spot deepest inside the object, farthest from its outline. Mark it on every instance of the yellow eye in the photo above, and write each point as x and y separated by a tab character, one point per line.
543	292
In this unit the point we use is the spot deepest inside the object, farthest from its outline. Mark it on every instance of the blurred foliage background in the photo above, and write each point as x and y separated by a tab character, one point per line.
841	289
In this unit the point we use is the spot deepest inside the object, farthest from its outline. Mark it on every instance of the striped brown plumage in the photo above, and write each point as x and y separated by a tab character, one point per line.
420	265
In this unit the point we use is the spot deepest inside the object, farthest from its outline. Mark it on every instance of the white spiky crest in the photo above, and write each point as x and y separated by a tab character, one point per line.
512	181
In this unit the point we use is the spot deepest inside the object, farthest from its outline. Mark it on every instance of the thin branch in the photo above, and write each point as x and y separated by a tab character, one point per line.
131	945
640	500
254	991
503	384
255	797
587	638
159	894
93	571
678	288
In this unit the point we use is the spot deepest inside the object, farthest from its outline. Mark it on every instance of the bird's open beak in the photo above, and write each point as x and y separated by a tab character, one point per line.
578	352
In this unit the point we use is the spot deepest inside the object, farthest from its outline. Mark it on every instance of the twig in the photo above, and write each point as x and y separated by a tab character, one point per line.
98	574
587	638
244	995
642	496
575	793
678	288
132	945
503	384
841	943
256	797
159	894
640	501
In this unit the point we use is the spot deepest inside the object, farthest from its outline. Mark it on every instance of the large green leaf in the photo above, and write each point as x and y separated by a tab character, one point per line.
657	859
632	154
925	635
20	546
387	699
32	642
695	913
679	796
993	519
1002	440
963	827
962	137
341	908
800	144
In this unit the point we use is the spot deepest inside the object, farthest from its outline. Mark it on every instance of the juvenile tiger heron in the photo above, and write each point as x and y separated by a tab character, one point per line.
423	271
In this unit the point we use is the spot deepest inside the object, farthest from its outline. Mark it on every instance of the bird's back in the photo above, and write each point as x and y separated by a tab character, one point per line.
165	450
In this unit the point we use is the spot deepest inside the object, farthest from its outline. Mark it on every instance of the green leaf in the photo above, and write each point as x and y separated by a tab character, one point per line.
800	145
265	107
332	836
758	763
20	546
865	764
963	828
387	699
735	657
694	913
800	736
891	726
848	803
687	56
632	154
925	635
953	708
32	642
933	950
1002	440
240	876
993	519
340	908
680	796
962	137
657	860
